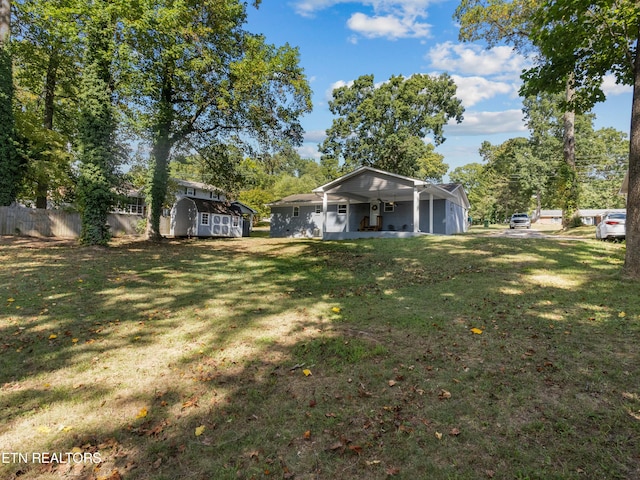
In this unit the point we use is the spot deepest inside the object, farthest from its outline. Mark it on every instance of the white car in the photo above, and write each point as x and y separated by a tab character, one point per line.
520	220
612	226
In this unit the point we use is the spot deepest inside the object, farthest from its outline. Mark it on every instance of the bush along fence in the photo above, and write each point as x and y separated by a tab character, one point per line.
35	222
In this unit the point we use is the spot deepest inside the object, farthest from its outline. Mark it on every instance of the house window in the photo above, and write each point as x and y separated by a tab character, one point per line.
318	208
389	206
296	211
212	195
190	191
342	208
204	219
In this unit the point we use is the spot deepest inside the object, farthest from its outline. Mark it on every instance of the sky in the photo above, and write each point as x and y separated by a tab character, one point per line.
340	40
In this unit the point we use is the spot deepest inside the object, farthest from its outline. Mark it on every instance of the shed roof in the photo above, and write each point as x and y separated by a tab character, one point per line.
213	206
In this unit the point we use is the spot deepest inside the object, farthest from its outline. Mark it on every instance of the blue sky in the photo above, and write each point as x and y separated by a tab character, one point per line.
340	40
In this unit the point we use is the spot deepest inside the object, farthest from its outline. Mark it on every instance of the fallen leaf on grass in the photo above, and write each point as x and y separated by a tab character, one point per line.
454	432
52	336
355	449
306	372
477	331
113	475
142	413
200	430
393	471
622	315
336	309
392	383
438	435
444	395
307	435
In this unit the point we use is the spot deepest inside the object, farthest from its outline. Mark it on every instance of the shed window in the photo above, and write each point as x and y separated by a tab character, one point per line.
318	208
236	221
296	211
204	219
342	208
190	191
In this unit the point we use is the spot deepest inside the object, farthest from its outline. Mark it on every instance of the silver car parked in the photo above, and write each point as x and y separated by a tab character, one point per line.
520	220
613	226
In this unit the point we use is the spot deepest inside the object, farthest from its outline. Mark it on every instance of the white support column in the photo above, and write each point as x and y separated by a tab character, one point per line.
325	203
348	217
416	210
431	213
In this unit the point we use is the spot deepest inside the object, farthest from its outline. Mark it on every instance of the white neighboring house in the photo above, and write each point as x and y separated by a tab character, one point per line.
199	210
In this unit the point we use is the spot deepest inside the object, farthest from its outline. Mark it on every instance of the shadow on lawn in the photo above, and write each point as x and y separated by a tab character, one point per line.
374	398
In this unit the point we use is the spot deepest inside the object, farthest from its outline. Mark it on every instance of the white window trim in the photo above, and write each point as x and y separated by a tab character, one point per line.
205	218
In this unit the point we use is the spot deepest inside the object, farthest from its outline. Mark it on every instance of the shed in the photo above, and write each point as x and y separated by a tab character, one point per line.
198	217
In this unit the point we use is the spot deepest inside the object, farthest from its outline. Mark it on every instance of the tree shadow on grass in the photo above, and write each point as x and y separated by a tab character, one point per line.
216	337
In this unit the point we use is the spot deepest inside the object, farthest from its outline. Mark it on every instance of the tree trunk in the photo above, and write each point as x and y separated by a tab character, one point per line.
632	256
160	153
11	168
5	21
42	188
570	206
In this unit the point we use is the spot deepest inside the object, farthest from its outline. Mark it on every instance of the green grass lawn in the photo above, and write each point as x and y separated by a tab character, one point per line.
462	357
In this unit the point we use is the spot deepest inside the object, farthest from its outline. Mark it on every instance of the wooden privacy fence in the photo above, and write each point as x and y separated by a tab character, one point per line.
35	222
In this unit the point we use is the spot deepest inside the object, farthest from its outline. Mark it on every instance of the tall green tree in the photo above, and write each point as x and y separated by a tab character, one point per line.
201	82
97	126
385	126
511	22
11	168
478	184
586	41
602	163
47	52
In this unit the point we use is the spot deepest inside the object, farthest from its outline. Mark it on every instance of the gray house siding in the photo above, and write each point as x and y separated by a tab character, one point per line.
439	216
308	223
448	219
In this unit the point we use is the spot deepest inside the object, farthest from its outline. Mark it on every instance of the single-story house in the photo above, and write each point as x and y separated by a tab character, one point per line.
199	210
372	203
550	217
589	216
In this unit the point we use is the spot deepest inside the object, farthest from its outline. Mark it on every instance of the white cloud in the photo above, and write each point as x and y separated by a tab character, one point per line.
328	95
309	150
391	19
487	123
472	90
610	87
316	136
500	62
388	26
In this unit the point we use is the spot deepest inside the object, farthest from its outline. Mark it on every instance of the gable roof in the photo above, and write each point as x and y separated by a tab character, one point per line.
366	184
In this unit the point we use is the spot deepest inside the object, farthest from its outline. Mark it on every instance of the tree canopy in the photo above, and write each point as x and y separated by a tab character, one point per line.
385	126
584	41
